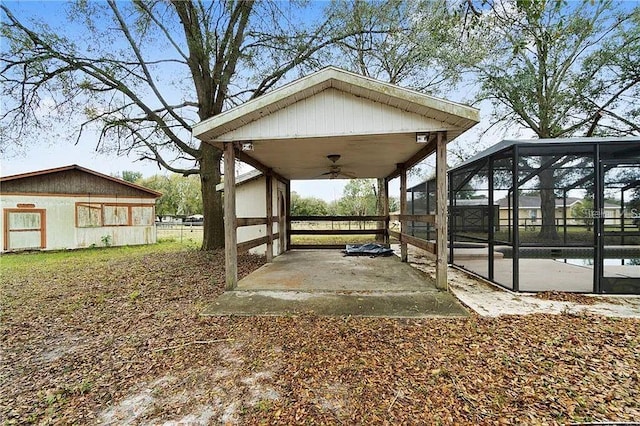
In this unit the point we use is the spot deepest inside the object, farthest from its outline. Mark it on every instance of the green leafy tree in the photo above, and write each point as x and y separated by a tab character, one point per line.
560	69
141	73
180	196
414	52
166	204
131	176
358	198
307	206
557	67
190	194
583	211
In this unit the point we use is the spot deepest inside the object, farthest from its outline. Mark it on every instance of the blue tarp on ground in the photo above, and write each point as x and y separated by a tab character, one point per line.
367	250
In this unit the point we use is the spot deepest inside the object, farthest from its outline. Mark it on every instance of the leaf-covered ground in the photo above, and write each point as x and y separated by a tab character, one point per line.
114	336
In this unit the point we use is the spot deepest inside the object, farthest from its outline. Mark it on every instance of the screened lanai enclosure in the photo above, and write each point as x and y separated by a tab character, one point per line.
547	215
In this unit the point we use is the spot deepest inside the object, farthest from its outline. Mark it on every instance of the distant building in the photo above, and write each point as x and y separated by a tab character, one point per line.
530	212
73	207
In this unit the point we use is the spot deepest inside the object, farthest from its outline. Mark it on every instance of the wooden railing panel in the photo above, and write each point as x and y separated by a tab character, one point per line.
317	246
337	231
419	242
247	245
426	218
251	221
425	245
337	218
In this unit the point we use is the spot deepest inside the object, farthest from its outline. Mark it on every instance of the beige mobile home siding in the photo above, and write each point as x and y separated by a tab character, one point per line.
62	230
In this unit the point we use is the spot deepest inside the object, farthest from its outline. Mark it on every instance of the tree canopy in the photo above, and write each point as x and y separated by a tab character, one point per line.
307	206
559	68
416	52
141	73
181	196
130	176
359	198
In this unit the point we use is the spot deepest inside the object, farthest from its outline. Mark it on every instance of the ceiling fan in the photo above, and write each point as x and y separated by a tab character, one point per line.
335	170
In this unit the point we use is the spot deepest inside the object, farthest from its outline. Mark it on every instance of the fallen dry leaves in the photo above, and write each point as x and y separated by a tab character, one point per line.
115	340
563	296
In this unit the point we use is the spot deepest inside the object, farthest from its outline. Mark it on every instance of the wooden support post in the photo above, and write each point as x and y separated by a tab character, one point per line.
403	211
287	212
230	235
269	200
441	213
385	206
379	191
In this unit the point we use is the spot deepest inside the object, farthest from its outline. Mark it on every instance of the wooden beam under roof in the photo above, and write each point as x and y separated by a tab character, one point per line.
245	158
424	152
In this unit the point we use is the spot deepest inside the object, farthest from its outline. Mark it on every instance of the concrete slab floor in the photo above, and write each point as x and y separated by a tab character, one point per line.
325	282
329	270
378	304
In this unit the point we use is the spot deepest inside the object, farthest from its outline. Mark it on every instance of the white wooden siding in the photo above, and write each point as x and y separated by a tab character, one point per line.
460	117
334	113
251	202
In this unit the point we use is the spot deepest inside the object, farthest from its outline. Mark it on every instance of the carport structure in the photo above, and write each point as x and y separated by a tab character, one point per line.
328	124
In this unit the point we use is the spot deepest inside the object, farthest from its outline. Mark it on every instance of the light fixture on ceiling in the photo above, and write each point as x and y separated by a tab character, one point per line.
422	137
335	171
333	157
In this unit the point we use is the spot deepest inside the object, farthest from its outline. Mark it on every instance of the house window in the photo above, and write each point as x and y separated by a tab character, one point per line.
88	215
25	228
115	215
91	215
142	215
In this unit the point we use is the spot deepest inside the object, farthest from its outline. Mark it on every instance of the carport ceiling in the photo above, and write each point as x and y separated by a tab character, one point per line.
371	125
360	156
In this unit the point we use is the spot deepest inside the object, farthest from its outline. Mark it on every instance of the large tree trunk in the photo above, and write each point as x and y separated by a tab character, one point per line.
548	231
213	237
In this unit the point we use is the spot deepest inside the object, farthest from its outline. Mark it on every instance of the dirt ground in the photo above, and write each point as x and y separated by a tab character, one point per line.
119	340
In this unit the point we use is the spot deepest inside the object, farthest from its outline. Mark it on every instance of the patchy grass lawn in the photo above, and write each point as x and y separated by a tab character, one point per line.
114	336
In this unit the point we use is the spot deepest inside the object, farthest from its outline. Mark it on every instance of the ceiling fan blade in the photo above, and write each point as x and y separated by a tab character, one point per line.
347	174
323	174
